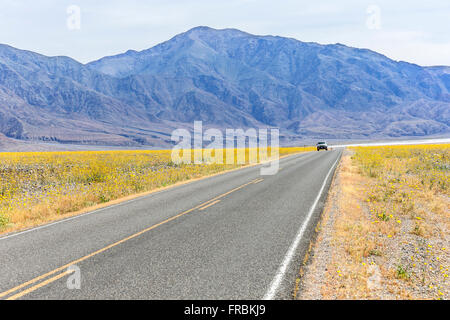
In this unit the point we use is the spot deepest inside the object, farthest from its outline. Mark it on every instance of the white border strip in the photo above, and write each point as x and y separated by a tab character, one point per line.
274	285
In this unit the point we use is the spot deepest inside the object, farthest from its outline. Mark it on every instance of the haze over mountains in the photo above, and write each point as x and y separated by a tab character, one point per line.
228	79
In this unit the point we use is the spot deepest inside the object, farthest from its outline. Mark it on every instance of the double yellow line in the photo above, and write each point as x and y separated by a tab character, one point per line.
62	271
209	205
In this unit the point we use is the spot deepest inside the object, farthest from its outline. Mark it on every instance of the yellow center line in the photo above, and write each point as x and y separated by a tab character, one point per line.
209	205
231	191
25	284
258	181
40	285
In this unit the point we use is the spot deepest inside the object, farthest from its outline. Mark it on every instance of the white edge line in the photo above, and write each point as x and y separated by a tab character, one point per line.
271	292
122	203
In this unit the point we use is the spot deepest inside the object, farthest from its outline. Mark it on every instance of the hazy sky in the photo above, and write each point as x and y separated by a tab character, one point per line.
414	31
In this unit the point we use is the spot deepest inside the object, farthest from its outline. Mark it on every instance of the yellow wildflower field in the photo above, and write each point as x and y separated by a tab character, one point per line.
385	229
407	198
418	166
36	187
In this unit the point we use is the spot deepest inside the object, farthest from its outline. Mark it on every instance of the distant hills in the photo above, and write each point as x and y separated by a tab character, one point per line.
228	79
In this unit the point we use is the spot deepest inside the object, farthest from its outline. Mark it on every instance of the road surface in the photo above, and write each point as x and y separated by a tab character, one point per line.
237	235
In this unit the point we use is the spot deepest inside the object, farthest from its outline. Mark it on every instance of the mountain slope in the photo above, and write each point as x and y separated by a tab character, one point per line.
227	78
305	88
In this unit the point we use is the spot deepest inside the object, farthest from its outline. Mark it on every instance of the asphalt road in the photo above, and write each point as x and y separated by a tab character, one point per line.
237	235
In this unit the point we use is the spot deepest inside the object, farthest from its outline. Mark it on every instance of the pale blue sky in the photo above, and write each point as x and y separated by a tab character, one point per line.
414	31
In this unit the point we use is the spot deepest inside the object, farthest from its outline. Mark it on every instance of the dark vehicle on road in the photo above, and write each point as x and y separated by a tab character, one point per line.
322	145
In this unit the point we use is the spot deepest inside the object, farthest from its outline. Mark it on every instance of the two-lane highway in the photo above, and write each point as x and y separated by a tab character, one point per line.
238	235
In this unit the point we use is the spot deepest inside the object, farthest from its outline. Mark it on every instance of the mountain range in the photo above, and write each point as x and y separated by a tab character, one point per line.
226	78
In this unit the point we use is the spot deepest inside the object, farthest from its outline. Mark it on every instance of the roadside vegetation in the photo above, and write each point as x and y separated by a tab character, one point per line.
385	230
36	187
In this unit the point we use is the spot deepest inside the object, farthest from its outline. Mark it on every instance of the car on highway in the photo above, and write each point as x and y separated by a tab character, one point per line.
322	145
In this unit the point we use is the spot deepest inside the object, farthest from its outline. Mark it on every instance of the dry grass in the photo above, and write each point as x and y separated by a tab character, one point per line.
37	187
389	236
